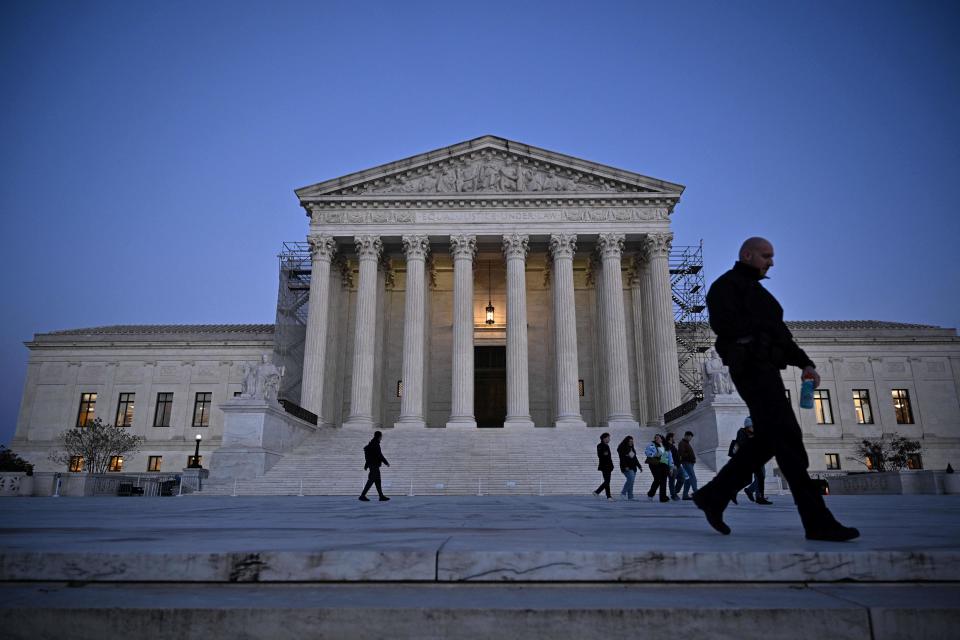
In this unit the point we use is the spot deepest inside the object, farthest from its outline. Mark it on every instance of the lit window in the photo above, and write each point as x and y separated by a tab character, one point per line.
821	406
125	410
76	463
164	408
580	387
154	462
869	463
201	409
399	388
914	461
901	405
190	461
116	463
88	403
833	460
861	405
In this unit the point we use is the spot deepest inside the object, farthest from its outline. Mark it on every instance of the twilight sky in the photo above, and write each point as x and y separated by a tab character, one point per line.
149	150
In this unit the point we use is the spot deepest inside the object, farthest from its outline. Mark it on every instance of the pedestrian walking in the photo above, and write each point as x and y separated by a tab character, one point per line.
659	462
674	473
373	458
755	343
604	465
629	465
754	491
688	460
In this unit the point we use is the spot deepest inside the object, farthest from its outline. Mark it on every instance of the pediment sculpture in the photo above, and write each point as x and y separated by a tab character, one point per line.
489	174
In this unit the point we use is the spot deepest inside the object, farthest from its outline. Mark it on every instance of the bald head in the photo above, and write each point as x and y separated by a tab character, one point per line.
757	252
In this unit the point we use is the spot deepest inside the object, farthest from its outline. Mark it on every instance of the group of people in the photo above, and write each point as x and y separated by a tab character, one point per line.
671	465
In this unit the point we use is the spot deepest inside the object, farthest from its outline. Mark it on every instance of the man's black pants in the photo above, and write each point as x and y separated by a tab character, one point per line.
660	472
373	478
606	483
776	434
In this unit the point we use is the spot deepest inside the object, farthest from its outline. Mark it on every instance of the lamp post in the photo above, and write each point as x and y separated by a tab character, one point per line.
195	464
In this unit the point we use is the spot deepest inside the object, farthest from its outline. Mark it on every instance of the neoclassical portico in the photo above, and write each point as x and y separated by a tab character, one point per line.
442	223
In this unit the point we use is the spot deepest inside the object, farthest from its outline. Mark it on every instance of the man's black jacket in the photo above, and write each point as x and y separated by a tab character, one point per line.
372	455
748	322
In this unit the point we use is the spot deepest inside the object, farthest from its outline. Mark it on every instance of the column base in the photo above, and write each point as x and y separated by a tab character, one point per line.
462	422
620	423
365	424
569	422
518	422
410	423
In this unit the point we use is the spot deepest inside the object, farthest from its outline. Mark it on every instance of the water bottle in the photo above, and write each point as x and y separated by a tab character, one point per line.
806	393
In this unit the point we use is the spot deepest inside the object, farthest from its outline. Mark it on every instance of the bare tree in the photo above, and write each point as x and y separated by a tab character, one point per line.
96	443
880	454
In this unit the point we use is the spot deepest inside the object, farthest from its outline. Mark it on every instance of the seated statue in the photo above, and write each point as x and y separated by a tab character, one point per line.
261	381
716	376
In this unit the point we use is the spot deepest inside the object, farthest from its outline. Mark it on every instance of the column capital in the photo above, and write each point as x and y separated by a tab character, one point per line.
657	245
563	245
610	245
516	245
416	247
463	247
322	247
368	247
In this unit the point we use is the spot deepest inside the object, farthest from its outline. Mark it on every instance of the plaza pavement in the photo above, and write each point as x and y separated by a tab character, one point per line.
472	567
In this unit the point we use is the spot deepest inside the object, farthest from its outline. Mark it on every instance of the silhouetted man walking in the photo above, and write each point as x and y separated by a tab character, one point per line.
373	458
756	344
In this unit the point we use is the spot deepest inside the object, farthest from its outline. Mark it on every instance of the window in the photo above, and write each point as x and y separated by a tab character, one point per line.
901	405
399	388
190	460
164	408
76	463
869	463
154	462
580	387
833	460
914	461
201	409
116	463
125	410
861	405
88	403
236	394
821	406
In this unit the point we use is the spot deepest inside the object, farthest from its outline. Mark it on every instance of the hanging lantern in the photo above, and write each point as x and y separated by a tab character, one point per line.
490	308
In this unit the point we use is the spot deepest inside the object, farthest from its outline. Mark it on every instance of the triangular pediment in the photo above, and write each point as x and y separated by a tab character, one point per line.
488	166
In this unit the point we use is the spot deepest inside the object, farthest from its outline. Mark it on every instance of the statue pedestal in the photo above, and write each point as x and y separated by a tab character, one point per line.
193	478
714	424
256	433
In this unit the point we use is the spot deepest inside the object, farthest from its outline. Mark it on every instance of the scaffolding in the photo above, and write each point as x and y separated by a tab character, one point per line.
690	316
291	326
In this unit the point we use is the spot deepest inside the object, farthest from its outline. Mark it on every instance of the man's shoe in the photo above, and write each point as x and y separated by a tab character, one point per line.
664	499
762	500
714	514
384	498
674	497
749	495
364	499
836	533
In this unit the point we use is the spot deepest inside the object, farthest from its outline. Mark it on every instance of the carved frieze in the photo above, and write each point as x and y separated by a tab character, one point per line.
578	214
490	172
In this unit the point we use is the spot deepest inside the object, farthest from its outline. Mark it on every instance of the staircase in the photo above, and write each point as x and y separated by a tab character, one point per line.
540	461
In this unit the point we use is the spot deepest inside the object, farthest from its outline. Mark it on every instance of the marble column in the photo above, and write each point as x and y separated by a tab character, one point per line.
635	280
610	246
369	249
666	370
322	250
515	249
463	249
562	248
411	402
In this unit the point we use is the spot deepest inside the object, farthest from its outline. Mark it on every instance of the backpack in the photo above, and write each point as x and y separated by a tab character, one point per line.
733	448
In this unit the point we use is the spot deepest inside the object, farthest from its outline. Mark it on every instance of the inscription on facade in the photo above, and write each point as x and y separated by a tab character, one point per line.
577	214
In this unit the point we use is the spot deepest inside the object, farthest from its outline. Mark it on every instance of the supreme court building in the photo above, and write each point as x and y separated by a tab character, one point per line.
489	284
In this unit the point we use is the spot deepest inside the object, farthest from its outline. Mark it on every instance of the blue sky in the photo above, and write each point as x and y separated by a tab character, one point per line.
149	150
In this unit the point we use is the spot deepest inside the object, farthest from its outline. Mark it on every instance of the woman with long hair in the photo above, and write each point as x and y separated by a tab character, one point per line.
659	460
629	465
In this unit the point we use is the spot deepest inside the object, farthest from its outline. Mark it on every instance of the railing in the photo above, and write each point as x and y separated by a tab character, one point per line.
298	412
152	485
680	411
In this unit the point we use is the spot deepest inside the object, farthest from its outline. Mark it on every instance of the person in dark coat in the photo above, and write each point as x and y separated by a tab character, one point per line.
755	343
629	465
373	458
659	461
755	492
674	473
605	465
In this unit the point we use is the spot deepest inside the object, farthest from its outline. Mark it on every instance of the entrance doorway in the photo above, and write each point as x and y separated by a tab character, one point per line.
490	386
